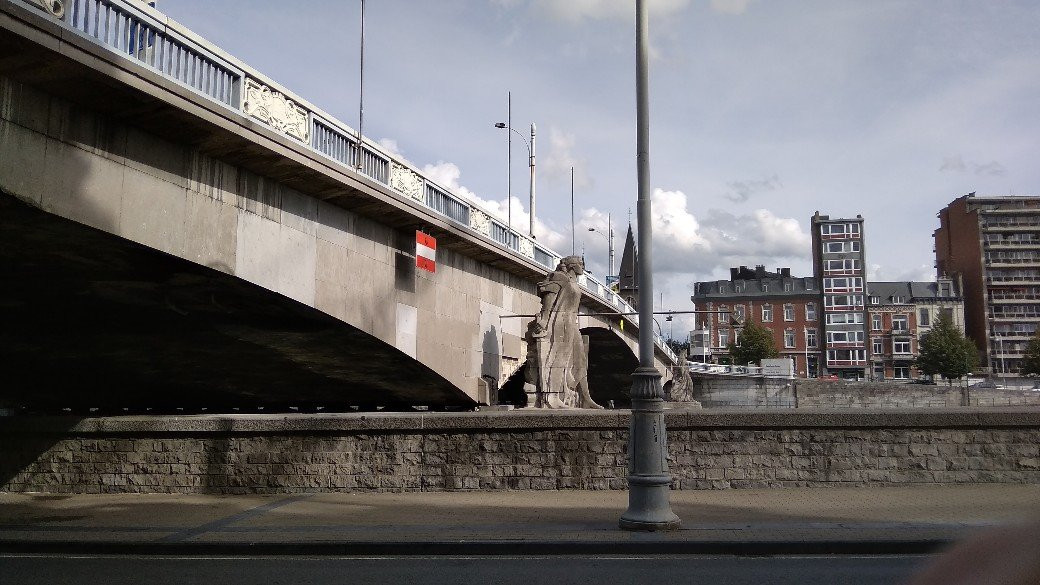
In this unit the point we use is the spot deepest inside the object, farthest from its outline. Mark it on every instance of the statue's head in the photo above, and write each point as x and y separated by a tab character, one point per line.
573	263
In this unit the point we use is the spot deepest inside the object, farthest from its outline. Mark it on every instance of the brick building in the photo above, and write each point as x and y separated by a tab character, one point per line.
992	246
898	314
786	305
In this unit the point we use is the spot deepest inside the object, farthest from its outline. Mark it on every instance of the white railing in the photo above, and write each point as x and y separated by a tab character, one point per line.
140	33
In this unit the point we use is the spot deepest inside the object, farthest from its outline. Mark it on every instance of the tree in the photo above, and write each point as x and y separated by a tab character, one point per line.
756	344
946	351
1031	361
678	345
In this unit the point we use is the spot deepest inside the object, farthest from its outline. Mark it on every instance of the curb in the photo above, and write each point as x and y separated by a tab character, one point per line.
482	548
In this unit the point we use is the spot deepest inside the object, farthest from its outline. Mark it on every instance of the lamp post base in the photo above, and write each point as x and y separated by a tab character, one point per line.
648	477
648	507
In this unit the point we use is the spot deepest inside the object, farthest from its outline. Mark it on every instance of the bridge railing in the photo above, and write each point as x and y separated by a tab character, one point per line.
138	32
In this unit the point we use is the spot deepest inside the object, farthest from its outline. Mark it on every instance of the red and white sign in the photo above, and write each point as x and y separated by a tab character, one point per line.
425	251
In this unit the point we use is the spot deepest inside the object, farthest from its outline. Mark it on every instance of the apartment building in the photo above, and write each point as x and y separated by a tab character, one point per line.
786	305
991	245
899	314
839	264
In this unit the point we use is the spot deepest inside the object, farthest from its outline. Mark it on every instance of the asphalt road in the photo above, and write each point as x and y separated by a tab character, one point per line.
558	570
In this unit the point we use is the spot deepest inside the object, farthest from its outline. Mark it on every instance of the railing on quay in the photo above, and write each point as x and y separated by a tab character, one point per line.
138	32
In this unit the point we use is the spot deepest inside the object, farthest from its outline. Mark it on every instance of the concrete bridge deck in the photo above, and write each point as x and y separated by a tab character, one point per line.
115	117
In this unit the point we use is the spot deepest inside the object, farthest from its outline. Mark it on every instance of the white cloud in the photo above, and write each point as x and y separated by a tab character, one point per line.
956	164
744	190
684	243
729	6
556	164
578	10
447	175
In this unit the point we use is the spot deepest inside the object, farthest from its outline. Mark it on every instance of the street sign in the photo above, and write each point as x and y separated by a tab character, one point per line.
425	251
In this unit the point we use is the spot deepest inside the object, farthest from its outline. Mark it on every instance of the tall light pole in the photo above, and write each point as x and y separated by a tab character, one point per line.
648	477
530	162
610	247
361	92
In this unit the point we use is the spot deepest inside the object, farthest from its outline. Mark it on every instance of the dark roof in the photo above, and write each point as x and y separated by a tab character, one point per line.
801	286
910	290
628	271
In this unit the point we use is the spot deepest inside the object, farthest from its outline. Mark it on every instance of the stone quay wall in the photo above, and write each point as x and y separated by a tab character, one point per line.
722	391
518	450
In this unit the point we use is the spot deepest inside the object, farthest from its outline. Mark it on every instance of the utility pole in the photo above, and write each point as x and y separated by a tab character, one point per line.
648	477
572	211
361	93
531	164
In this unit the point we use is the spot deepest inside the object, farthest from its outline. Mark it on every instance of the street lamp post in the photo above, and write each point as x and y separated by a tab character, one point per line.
610	247
530	163
648	477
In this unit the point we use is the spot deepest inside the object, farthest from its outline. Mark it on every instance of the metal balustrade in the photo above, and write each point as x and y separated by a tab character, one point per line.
143	35
446	205
127	30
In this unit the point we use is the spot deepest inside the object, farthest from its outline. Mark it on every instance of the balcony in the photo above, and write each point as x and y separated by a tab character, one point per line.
846	363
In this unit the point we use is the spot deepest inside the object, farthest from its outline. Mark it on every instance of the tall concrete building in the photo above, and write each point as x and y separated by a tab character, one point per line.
992	245
839	266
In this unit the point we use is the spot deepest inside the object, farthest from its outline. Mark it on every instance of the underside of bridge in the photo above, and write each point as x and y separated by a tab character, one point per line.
91	320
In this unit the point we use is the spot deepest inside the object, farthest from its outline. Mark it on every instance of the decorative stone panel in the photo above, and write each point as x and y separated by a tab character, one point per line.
277	111
526	248
480	221
405	181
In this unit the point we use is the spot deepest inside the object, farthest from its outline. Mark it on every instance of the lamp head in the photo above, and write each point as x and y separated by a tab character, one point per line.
500	124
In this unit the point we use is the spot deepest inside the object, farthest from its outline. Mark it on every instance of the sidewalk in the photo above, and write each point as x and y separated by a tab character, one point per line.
777	521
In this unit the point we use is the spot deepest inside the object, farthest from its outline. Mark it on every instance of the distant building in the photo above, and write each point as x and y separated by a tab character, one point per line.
992	245
786	305
628	271
898	314
839	266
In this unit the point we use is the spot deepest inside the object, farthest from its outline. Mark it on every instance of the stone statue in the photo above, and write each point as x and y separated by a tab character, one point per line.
557	360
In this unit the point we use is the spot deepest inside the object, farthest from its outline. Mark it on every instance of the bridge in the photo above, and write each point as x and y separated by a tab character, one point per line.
178	229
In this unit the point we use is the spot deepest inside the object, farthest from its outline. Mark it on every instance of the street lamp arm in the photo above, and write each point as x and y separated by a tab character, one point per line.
503	126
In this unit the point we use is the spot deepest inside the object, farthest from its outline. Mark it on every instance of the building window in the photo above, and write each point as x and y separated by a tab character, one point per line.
788	312
945	289
843	300
738	286
876	346
723	314
900	323
723	337
765	287
738	313
898	299
736	336
810	338
839	247
808	284
901	373
875	300
810	311
925	318
789	338
875	322
722	288
843	318
844	337
767	313
788	286
901	346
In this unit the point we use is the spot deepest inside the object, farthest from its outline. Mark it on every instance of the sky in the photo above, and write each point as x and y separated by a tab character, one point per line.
761	113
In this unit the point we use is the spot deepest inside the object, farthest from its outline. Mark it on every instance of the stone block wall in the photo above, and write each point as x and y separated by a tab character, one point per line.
819	393
512	450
